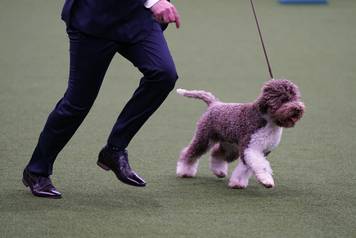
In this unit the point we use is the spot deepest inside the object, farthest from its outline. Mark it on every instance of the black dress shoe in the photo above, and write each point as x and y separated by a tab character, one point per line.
117	161
40	186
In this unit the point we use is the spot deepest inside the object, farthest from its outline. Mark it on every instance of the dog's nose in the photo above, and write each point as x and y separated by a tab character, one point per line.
297	112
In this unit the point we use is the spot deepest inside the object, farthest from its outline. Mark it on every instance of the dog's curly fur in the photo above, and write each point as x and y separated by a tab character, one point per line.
249	131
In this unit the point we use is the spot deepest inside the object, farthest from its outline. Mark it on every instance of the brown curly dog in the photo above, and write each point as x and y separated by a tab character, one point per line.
249	131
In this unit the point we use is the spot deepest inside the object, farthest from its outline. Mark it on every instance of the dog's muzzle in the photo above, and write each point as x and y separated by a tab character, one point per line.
288	114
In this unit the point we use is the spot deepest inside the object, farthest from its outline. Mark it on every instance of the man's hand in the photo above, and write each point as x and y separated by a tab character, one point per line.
165	12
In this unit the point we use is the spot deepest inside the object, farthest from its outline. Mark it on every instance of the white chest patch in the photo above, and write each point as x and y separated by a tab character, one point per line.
267	138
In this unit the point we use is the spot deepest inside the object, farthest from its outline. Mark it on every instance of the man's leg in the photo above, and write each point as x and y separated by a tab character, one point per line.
153	59
89	60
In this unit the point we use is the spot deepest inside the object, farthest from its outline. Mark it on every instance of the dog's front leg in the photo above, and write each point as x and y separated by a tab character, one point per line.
240	176
260	166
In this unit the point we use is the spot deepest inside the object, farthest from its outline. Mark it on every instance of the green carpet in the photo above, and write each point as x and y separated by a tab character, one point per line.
216	49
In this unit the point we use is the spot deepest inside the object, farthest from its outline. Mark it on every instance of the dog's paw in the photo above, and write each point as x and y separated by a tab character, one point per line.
186	170
238	183
265	179
219	167
219	173
185	175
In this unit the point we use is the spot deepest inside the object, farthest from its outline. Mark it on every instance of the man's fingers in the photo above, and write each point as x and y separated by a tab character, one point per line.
178	21
172	17
167	15
177	17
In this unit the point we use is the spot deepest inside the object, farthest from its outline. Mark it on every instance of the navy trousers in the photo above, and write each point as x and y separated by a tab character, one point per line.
89	59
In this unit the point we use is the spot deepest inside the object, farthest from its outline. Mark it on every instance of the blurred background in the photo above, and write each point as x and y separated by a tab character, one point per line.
216	49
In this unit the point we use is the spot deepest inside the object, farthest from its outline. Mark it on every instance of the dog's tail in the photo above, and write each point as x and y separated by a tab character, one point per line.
207	97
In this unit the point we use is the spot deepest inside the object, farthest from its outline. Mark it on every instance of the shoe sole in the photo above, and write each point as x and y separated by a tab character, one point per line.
24	182
40	195
104	167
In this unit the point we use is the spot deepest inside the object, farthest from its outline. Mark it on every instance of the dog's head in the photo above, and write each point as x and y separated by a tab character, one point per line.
280	99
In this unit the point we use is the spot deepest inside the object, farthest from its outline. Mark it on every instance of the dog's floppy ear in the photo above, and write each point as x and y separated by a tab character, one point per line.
262	100
262	105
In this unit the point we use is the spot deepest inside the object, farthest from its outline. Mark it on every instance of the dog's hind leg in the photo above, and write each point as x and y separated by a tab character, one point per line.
240	176
219	167
221	154
187	165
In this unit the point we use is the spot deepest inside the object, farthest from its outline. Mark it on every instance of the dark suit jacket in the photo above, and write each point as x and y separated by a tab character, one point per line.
119	20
